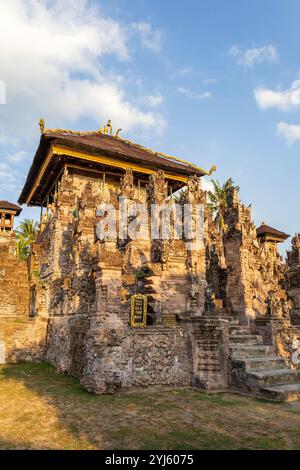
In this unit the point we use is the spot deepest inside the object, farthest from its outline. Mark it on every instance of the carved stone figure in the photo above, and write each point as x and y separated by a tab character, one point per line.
127	186
209	304
274	305
195	195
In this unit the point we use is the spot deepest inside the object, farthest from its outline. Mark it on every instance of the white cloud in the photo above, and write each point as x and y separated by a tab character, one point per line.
52	66
207	184
255	55
183	72
282	99
153	100
290	132
10	178
150	38
18	157
191	94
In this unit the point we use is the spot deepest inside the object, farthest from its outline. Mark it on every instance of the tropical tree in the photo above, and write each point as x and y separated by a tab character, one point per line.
22	248
218	202
26	235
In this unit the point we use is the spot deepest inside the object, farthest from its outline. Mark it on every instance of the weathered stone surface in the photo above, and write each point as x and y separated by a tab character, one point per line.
75	299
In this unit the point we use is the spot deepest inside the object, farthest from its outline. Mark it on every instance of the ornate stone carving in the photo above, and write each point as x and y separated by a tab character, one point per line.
195	194
127	186
157	188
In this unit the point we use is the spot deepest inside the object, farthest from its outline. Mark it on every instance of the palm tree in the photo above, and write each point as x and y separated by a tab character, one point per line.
26	235
22	248
218	202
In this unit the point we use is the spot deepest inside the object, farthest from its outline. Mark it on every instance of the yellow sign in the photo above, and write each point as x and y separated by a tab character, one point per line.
138	313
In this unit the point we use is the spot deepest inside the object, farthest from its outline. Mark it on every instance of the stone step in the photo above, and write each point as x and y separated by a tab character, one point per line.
269	377
245	339
263	363
243	351
286	392
239	330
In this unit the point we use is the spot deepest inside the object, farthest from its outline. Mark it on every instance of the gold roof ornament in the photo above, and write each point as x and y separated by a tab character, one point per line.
42	125
212	170
108	129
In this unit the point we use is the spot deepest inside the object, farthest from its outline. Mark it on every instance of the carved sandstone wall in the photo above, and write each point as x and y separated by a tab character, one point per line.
254	268
84	285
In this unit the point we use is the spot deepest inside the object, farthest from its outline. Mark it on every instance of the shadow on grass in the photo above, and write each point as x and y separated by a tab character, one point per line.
150	419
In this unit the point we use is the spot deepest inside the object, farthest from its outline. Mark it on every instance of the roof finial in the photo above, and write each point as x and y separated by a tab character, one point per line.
42	125
213	168
107	128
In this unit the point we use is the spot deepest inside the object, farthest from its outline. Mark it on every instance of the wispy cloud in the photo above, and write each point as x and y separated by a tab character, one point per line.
255	55
183	72
285	100
290	132
150	38
153	101
192	94
18	157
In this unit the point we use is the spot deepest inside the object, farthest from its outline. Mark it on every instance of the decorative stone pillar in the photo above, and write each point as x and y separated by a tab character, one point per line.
293	278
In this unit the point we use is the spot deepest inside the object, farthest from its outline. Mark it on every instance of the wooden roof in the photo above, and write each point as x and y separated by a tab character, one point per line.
264	230
98	144
6	205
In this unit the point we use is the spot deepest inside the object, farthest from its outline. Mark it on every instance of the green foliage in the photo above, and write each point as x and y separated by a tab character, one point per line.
26	235
218	203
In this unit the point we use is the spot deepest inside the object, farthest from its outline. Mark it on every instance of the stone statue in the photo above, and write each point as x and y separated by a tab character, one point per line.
274	306
195	195
127	186
209	303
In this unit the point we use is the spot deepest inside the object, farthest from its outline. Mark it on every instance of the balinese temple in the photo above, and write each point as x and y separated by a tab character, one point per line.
123	311
269	234
8	211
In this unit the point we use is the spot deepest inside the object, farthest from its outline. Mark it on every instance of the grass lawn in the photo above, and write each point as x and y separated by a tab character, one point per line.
40	409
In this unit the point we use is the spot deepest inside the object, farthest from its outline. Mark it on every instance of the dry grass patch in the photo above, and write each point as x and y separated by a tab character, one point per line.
40	409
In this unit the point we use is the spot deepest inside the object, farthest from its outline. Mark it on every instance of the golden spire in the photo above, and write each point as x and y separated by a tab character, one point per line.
42	125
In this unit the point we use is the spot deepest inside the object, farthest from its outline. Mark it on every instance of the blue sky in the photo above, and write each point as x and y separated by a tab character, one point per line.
213	82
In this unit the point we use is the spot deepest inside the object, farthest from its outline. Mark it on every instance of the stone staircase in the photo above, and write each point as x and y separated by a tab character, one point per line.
255	367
